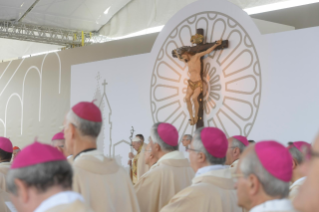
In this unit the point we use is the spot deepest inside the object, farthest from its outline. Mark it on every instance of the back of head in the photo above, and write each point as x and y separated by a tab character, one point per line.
58	140
296	149
6	149
87	118
213	143
42	176
46	168
271	163
141	137
188	137
241	142
166	136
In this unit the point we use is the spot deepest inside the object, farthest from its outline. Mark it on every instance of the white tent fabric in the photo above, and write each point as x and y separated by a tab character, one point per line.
142	14
124	17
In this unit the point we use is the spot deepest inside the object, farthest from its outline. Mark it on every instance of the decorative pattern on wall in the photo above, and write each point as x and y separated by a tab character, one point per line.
233	77
25	88
104	141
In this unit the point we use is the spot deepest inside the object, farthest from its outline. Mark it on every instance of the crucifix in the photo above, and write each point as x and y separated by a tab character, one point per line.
193	57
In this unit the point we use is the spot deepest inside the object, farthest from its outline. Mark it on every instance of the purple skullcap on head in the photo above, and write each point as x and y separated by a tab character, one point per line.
300	144
275	158
6	145
168	134
58	136
87	111
242	139
214	141
36	153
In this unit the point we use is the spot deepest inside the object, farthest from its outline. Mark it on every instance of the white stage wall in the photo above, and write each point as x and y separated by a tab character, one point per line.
283	74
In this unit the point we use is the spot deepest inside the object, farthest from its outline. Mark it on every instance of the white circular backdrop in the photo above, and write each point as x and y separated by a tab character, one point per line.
233	75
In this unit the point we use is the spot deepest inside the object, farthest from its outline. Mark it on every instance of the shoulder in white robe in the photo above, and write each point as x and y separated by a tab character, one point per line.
294	188
277	205
171	174
104	185
212	190
4	169
66	201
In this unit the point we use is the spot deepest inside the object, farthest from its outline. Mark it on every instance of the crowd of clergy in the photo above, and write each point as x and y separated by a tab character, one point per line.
209	173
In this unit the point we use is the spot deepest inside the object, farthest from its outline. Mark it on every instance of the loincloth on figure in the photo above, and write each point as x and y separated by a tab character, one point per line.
194	85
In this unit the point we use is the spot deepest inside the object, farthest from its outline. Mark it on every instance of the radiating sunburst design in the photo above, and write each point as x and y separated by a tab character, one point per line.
232	77
212	80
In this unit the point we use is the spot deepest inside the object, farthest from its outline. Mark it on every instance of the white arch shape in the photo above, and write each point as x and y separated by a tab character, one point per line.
4	126
5	69
41	79
25	76
5	119
11	76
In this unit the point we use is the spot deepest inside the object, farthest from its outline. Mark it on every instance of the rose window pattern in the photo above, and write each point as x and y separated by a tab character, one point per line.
232	77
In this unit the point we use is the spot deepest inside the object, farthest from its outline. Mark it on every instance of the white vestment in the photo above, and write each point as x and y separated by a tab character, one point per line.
277	205
212	190
171	174
104	184
294	188
63	201
233	166
4	168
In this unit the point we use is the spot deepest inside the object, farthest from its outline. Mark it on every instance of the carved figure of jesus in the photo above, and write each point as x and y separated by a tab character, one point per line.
195	82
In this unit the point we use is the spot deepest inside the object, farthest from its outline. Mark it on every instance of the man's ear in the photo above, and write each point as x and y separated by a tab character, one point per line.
157	147
72	130
236	152
254	184
22	190
294	164
201	157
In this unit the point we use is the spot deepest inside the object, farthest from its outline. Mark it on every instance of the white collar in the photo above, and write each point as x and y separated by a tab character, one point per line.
299	181
274	205
70	156
235	162
61	198
206	169
6	163
97	154
172	155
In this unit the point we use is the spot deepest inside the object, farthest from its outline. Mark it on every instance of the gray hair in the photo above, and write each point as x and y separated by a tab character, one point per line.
198	145
157	139
86	128
188	137
236	143
42	176
271	185
296	154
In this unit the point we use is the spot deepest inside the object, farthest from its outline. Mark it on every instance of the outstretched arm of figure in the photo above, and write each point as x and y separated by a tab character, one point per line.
218	43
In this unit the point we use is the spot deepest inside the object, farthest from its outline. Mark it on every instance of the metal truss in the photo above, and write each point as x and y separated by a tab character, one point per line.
49	35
